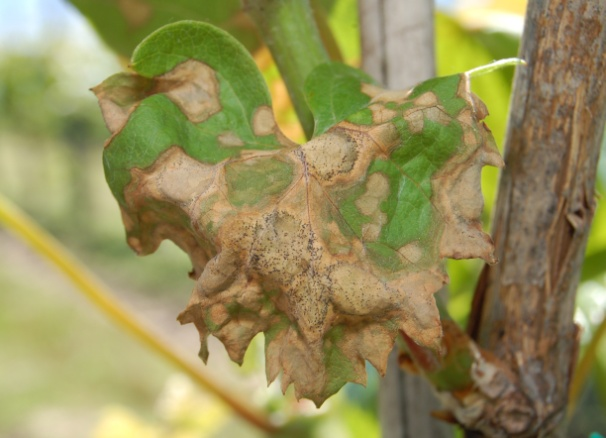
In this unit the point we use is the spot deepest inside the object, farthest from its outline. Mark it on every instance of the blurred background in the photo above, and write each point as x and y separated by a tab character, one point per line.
67	371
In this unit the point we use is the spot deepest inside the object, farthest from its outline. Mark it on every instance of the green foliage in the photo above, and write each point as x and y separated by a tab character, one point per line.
35	103
124	24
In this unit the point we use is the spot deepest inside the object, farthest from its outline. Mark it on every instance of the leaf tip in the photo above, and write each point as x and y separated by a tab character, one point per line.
203	352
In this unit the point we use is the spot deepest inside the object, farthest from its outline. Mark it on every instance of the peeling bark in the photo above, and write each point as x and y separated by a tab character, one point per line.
524	305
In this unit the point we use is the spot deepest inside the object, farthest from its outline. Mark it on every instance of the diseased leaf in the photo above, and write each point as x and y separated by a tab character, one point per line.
328	248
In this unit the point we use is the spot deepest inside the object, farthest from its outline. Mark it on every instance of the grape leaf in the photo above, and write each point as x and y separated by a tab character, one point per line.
329	247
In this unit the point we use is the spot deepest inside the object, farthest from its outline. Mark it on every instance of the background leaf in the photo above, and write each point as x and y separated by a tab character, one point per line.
123	24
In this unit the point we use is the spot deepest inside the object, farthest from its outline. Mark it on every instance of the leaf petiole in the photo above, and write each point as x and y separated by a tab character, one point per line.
493	66
291	34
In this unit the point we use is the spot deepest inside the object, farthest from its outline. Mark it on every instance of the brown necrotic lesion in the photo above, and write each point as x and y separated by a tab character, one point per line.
192	86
